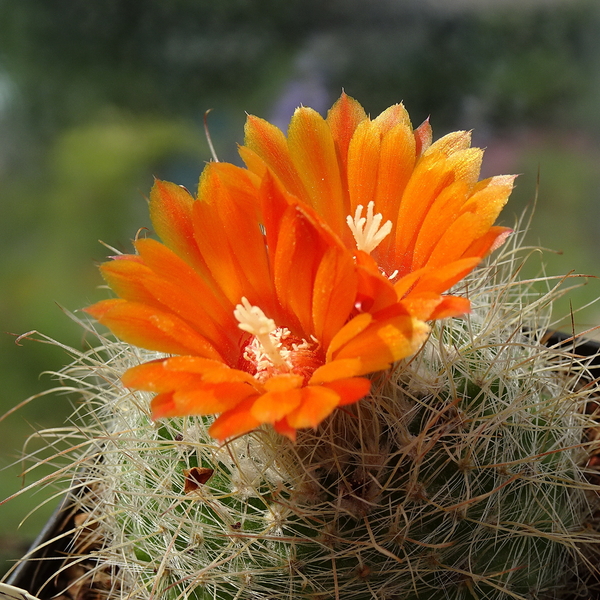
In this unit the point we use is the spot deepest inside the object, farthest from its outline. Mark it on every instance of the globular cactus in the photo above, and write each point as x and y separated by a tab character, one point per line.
371	447
462	475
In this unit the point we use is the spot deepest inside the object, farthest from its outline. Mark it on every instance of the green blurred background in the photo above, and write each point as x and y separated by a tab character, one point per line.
98	97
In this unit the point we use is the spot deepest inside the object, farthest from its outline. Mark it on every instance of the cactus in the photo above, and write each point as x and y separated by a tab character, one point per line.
462	475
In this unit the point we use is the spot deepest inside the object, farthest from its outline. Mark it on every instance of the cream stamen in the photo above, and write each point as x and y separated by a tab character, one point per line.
368	231
253	320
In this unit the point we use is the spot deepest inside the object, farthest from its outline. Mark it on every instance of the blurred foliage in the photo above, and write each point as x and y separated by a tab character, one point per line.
97	97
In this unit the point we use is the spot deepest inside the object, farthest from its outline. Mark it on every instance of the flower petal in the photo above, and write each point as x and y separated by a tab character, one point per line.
227	229
334	293
273	406
343	118
176	288
170	210
337	369
384	341
154	377
313	153
149	328
444	277
172	373
349	331
491	241
208	399
396	164
375	291
163	406
284	428
202	292
363	164
283	382
236	421
350	390
269	144
423	137
317	403
429	305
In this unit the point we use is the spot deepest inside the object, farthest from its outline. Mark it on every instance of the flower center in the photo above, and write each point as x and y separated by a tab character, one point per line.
368	231
274	350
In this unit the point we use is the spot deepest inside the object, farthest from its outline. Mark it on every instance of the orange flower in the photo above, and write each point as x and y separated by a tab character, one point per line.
438	217
256	298
275	294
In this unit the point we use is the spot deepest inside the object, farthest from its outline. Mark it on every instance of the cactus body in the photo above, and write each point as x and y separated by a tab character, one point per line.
462	476
459	477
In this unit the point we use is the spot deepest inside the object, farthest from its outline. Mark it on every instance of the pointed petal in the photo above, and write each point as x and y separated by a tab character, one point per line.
254	163
269	143
363	164
350	390
421	306
474	220
490	198
384	342
450	143
275	202
179	371
175	288
273	406
125	276
207	297
431	175
228	233
283	383
375	291
313	153
396	164
236	421
423	137
152	329
466	164
429	305
456	239
154	377
316	404
451	306
444	211
404	285
163	406
284	428
241	215
170	211
299	251
343	118
349	331
209	399
440	279
491	241
391	117
338	369
334	291
212	371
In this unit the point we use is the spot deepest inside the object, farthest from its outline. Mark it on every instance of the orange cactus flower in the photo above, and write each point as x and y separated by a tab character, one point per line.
358	173
282	285
256	298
